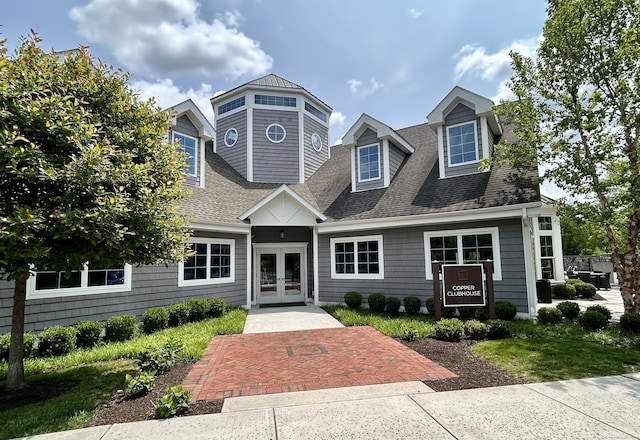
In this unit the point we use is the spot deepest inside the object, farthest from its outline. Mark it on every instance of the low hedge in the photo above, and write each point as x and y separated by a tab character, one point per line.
178	314
217	307
569	310
474	329
56	341
549	315
88	333
29	342
154	319
630	322
505	310
198	309
593	320
119	328
450	330
377	302
353	300
411	304
585	290
392	305
564	291
604	311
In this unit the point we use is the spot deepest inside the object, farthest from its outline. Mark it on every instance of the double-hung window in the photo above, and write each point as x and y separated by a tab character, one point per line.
369	162
462	143
464	246
189	146
357	257
545	231
212	261
88	280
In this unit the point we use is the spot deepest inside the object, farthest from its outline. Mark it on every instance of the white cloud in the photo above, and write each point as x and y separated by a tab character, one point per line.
414	13
159	37
355	85
475	60
337	119
167	94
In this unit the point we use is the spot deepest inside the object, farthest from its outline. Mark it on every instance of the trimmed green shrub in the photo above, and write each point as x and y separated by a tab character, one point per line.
393	305
217	307
411	304
29	341
119	328
630	322
505	310
141	384
88	333
160	360
574	281
549	315
498	329
430	305
198	309
410	334
377	302
449	312
593	320
564	291
474	329
450	330
178	314
154	319
569	310
585	290
175	402
604	311
56	341
353	300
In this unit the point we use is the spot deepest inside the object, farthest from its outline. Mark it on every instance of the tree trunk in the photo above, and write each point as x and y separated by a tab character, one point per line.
15	375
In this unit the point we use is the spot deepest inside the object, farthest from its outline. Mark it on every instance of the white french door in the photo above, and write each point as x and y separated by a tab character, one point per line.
280	273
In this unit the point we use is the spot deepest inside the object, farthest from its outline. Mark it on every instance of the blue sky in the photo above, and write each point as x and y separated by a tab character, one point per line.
394	60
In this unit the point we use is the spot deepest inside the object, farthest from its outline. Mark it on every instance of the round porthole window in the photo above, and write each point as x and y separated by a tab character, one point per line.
276	133
316	141
231	137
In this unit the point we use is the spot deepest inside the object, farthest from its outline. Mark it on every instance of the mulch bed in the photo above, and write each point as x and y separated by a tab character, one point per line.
472	373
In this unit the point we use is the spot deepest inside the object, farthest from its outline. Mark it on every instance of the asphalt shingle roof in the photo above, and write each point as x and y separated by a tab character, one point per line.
415	189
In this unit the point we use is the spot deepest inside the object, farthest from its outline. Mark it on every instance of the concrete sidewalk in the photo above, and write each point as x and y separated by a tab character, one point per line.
598	408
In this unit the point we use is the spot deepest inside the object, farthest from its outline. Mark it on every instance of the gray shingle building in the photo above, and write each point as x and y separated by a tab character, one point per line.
279	216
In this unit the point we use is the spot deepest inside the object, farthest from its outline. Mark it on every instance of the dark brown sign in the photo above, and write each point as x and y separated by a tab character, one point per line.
463	285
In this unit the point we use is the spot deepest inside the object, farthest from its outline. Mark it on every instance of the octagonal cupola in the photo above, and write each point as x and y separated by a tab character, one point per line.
272	130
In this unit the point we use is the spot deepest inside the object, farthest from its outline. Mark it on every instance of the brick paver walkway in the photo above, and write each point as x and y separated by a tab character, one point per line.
265	363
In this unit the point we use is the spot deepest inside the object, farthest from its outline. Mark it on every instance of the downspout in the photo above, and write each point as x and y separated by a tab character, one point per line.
529	264
316	281
249	270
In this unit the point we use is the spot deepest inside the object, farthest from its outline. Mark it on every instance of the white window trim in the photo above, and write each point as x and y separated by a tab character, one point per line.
183	283
195	154
556	237
227	133
377	145
475	135
266	132
495	242
355	240
84	289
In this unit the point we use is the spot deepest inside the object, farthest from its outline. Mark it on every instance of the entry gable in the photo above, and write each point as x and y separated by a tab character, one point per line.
283	207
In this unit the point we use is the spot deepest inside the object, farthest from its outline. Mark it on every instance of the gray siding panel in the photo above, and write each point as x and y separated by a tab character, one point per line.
276	163
396	157
314	159
369	137
404	265
185	126
235	156
151	286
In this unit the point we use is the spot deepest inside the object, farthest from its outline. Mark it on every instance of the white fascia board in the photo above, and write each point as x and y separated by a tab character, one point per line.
219	227
501	212
195	115
480	104
276	193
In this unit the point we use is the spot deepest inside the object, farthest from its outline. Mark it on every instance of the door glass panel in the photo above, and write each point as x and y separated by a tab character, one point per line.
292	274
268	275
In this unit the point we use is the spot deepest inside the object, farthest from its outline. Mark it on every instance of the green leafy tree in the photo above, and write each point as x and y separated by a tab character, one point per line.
577	110
87	174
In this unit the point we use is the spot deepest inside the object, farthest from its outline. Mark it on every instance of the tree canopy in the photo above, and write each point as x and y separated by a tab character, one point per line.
577	110
88	174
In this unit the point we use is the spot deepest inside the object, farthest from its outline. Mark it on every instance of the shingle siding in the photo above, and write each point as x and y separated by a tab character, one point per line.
314	159
235	156
151	286
404	265
276	163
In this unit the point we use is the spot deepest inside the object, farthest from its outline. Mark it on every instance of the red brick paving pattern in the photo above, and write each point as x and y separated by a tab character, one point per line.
266	363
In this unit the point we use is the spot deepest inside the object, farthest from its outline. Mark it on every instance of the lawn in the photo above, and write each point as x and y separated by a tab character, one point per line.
98	373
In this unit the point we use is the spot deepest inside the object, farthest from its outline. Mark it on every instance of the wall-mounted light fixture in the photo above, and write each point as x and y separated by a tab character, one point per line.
281	234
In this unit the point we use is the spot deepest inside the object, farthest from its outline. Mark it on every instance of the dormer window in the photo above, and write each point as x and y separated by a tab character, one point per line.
369	162
463	147
189	146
